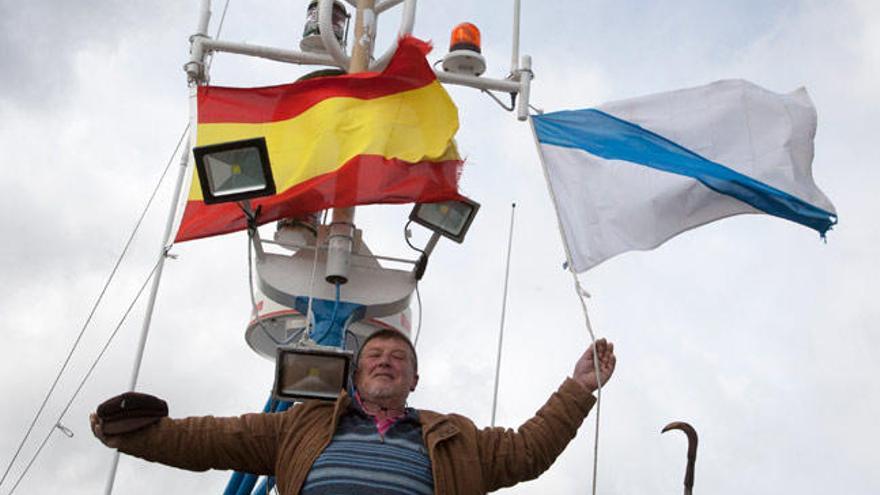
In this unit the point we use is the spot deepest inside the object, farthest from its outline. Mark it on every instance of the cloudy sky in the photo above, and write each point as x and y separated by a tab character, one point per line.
751	329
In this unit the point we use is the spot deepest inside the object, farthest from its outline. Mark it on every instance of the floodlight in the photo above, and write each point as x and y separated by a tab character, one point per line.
450	219
464	55
234	171
309	372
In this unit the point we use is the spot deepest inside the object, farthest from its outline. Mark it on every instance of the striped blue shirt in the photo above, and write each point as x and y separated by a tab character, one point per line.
360	460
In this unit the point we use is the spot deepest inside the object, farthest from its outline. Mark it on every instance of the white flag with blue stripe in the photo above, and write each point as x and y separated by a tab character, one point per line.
631	174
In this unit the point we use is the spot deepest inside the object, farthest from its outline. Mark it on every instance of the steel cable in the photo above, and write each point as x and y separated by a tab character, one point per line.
87	376
94	307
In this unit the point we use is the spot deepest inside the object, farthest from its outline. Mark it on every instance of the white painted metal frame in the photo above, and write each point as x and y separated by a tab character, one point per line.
519	81
201	45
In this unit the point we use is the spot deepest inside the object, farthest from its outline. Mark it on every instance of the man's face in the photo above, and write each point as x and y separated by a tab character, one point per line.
386	370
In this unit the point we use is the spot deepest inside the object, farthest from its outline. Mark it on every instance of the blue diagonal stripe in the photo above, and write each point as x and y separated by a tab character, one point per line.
611	138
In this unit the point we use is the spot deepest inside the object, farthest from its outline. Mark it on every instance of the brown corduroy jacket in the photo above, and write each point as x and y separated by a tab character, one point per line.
466	460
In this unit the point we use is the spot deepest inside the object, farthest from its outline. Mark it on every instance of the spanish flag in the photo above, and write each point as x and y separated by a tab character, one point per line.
335	141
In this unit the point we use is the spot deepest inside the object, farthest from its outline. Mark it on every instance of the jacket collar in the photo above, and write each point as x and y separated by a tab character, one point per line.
434	423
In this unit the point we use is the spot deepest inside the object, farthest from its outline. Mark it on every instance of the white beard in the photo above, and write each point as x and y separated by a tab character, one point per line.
378	393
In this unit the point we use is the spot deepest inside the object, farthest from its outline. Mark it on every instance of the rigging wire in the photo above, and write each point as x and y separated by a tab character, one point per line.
87	375
503	313
95	306
217	35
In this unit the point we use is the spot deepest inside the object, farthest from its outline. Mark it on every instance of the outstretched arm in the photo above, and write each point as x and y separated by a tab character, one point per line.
509	456
247	443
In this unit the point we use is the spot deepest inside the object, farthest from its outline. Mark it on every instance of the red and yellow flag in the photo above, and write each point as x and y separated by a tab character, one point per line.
335	141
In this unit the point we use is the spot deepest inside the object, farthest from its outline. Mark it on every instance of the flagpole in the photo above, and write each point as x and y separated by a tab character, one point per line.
580	293
198	61
340	240
151	302
503	314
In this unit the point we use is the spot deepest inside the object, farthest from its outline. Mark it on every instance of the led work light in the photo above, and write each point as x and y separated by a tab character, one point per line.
234	171
451	219
307	372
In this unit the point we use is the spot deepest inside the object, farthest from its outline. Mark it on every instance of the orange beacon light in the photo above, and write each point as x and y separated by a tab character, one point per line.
465	36
464	51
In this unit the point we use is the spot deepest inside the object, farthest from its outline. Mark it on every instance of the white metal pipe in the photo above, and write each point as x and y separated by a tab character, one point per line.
294	245
154	289
514	56
525	80
194	73
386	4
407	21
506	85
204	16
341	242
325	26
195	68
270	53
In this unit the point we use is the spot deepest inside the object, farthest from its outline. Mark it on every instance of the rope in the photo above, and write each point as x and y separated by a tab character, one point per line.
503	313
581	293
94	307
87	376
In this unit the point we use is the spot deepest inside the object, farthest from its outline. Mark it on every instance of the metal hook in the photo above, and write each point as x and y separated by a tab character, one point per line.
691	454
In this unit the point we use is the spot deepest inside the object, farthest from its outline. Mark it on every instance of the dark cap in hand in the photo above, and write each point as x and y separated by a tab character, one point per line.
130	412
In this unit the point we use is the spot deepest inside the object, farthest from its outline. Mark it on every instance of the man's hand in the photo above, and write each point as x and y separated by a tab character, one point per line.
585	368
97	429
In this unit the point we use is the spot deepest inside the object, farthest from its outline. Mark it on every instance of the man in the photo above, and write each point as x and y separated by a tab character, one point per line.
372	443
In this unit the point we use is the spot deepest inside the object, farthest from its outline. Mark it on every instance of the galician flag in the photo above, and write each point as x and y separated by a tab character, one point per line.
631	174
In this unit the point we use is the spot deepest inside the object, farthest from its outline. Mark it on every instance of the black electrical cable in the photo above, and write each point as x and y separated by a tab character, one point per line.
95	306
87	375
406	237
500	103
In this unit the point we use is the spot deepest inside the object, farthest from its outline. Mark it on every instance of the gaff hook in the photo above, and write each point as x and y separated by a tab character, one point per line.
691	454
